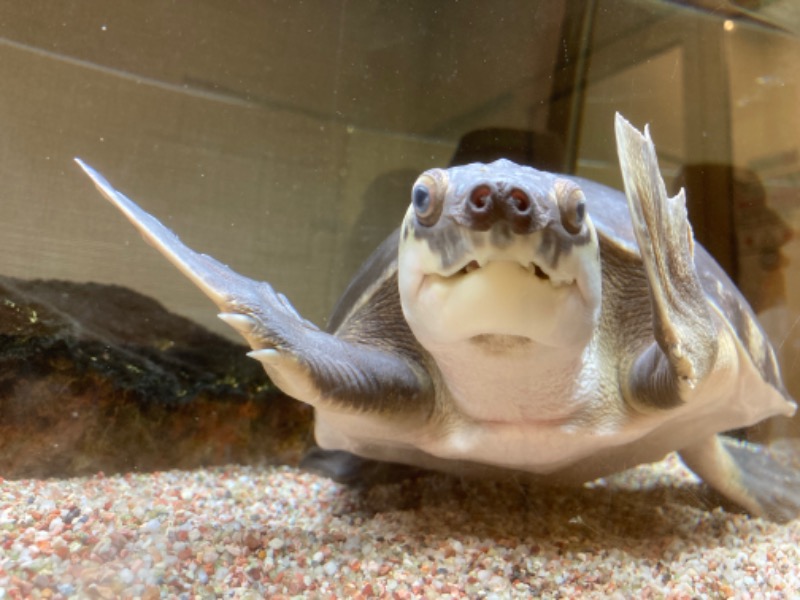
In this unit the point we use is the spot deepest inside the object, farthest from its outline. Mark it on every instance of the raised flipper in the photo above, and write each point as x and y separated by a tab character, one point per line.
686	346
305	362
748	475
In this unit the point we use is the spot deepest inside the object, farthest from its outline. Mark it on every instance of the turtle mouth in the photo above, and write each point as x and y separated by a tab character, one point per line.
500	343
532	268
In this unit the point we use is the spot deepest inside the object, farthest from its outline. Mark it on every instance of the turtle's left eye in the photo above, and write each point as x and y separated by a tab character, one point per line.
427	204
572	205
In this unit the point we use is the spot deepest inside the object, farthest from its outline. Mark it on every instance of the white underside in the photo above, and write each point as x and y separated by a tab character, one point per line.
546	440
526	383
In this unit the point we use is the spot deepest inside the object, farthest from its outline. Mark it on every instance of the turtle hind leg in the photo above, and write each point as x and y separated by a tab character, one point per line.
686	346
748	475
351	469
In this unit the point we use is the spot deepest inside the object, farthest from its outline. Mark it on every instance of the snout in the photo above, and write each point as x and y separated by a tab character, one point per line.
486	206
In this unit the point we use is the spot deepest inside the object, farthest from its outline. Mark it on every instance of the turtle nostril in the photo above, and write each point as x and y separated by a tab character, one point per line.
480	199
518	210
520	201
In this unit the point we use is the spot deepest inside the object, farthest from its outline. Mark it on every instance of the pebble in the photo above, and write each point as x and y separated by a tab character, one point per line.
246	532
56	525
152	526
331	568
126	576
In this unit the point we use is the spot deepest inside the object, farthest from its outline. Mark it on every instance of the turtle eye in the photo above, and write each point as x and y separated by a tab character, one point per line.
572	206
427	204
421	197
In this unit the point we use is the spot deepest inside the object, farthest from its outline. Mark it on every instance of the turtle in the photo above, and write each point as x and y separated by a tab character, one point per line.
523	323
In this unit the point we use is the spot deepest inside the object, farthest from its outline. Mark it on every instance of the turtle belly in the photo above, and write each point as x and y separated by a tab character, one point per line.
598	436
604	441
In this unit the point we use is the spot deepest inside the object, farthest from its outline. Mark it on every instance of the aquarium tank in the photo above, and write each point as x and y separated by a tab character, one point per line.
143	454
283	139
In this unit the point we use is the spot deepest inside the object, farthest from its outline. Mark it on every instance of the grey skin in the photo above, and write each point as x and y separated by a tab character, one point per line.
526	324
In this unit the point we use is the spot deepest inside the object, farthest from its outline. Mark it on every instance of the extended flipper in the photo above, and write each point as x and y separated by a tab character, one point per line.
305	362
748	475
686	337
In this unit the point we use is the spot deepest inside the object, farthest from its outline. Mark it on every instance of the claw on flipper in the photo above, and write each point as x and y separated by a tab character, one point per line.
241	323
266	355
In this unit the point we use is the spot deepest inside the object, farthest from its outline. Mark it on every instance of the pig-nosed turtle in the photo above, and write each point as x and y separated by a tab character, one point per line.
525	322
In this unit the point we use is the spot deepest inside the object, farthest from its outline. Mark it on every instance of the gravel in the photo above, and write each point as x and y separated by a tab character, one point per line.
255	532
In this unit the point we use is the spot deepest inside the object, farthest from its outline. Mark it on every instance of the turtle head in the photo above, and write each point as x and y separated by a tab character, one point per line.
499	252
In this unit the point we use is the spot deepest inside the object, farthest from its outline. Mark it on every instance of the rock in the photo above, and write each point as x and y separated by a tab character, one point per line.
101	378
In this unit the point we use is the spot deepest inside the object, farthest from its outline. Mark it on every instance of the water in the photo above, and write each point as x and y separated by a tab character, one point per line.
283	139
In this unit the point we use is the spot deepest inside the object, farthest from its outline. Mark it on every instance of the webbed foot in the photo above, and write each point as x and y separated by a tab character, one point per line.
747	474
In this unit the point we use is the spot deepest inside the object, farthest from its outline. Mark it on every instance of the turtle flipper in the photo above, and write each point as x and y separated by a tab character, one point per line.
350	469
747	474
686	337
305	362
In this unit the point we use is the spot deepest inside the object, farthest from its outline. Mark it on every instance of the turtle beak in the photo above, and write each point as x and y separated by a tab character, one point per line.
474	265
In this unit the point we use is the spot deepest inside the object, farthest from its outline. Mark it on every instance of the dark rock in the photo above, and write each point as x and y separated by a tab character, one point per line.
100	378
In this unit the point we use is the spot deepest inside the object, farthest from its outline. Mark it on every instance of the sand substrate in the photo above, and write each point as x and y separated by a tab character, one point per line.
244	532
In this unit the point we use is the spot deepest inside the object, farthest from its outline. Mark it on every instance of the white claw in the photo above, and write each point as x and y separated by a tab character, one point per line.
241	323
266	355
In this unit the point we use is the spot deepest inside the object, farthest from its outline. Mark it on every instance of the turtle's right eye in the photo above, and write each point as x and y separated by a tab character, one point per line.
572	205
427	204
